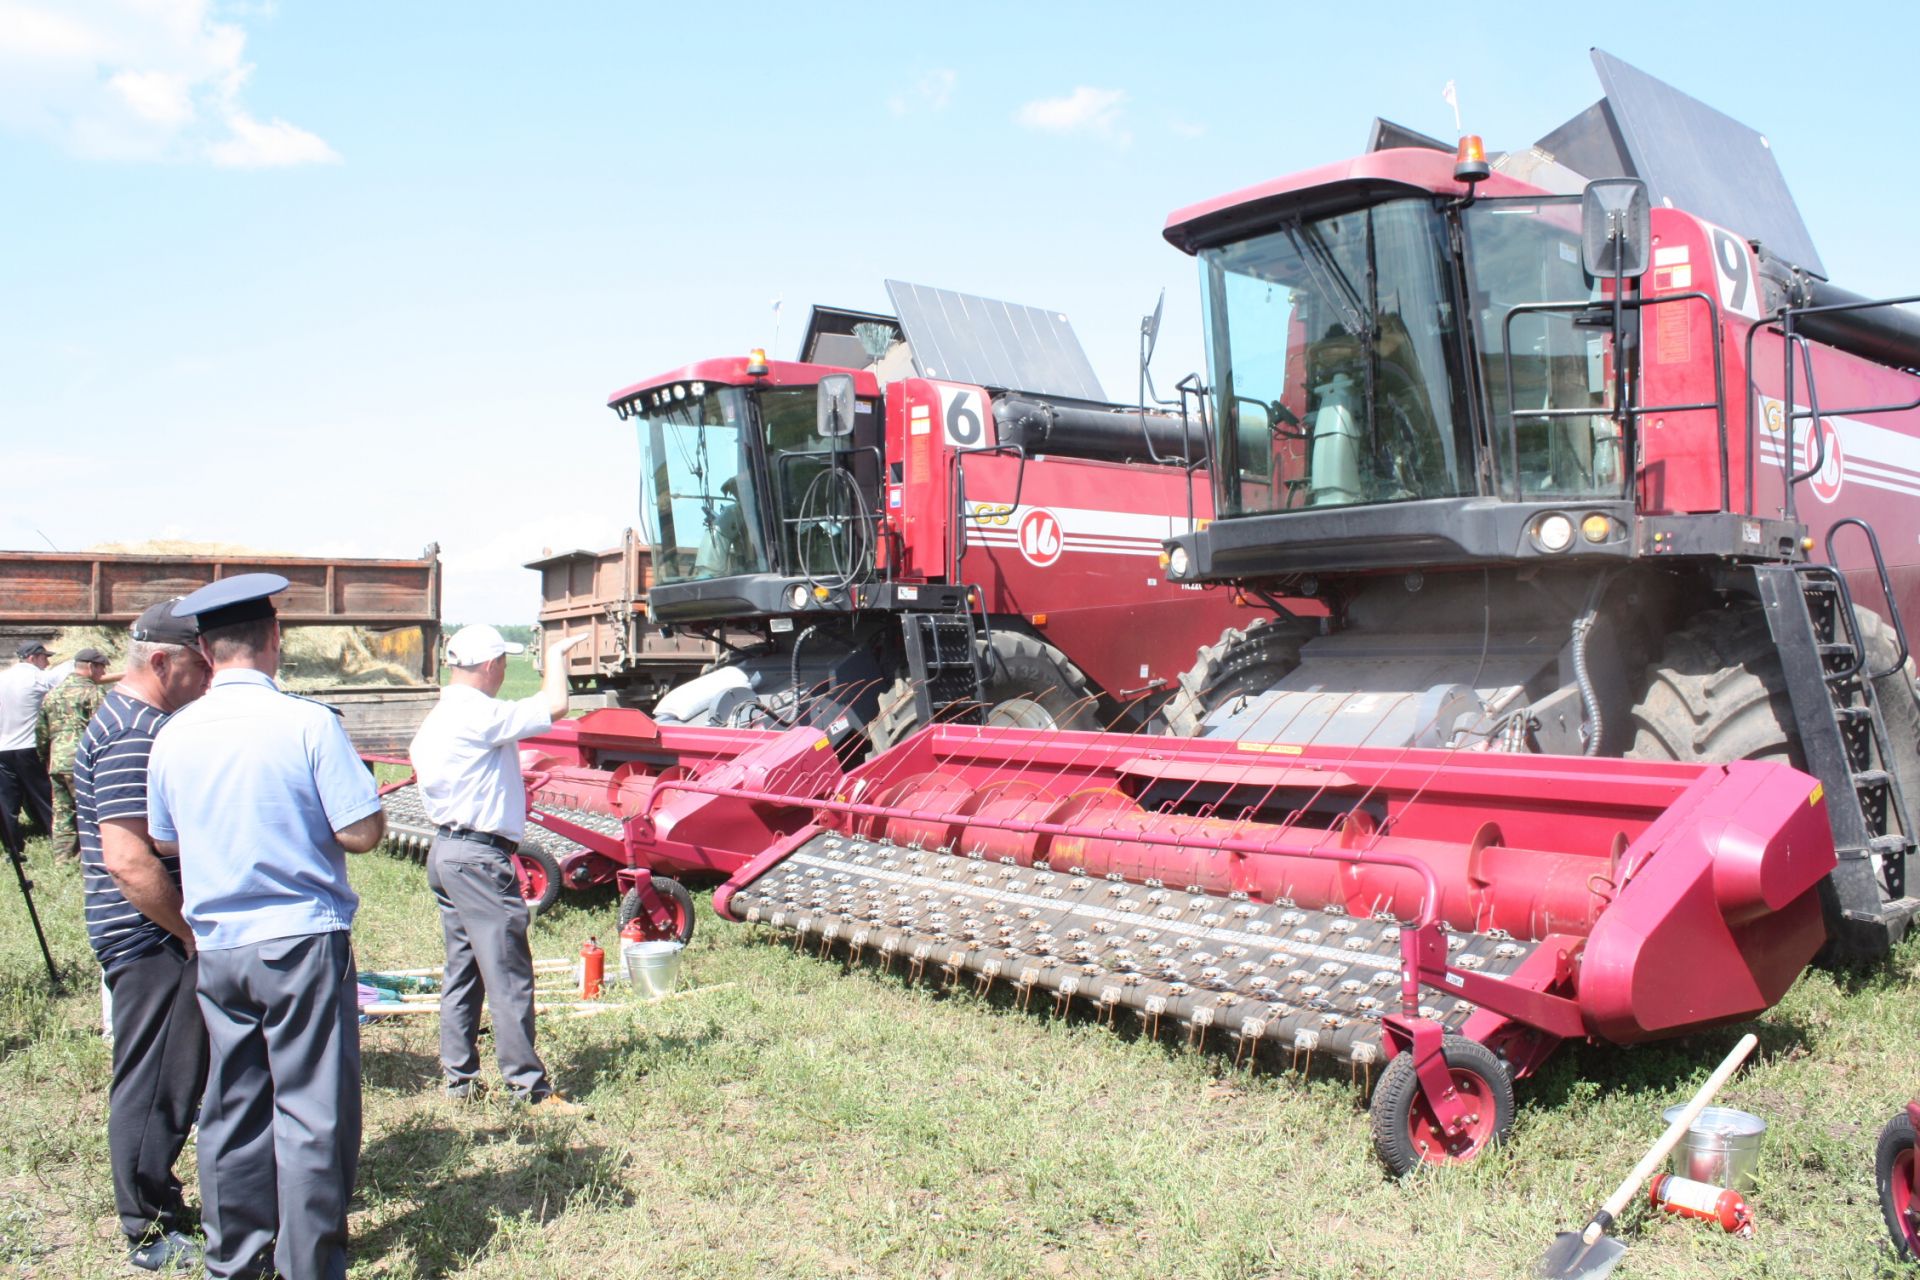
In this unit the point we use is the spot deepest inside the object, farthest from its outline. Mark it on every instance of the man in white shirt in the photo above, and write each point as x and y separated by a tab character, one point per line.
23	774
466	757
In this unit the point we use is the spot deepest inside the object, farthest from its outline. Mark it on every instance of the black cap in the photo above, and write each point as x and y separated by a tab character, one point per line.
30	648
90	654
158	625
229	602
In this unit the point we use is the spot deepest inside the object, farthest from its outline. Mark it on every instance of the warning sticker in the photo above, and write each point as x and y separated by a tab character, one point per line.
1673	336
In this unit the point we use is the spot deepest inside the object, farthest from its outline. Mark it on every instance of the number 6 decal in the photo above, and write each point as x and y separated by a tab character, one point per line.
960	414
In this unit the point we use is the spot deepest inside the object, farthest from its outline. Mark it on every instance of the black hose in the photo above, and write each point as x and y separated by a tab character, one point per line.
793	669
1588	698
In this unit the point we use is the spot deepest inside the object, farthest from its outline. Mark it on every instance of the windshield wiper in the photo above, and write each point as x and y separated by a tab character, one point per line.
1332	280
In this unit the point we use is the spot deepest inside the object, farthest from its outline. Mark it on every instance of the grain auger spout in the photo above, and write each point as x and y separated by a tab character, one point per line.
1453	915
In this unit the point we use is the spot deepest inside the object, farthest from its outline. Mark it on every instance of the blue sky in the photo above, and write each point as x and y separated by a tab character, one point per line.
349	278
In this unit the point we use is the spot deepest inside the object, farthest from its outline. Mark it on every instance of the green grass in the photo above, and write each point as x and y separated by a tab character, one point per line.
814	1121
522	680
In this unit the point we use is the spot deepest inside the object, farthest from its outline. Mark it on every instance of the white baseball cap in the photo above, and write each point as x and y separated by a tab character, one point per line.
479	643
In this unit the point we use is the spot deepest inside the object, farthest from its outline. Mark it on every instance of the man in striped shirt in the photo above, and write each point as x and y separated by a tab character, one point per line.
135	924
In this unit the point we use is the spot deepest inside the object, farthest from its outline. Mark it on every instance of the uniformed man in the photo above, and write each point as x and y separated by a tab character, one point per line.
23	773
142	940
467	760
261	796
64	713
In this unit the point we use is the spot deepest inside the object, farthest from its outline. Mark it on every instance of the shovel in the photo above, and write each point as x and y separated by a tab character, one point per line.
1591	1254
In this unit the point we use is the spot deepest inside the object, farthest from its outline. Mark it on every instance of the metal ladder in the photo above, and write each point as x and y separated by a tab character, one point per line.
1844	742
944	666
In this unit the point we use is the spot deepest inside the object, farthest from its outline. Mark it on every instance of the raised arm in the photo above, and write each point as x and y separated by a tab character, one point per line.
553	680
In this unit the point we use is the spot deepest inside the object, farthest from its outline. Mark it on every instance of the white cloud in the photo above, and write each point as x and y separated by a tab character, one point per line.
142	80
257	146
932	91
1187	129
1093	112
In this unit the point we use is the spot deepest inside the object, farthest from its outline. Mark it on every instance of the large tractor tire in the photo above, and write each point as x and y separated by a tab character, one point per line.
1030	685
1240	663
1717	694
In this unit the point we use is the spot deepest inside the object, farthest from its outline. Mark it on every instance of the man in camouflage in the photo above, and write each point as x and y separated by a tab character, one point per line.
63	719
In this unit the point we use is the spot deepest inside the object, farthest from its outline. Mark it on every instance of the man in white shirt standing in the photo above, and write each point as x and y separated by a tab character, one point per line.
466	757
23	774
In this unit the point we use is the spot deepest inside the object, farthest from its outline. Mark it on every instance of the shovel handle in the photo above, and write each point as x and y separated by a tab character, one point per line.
1670	1139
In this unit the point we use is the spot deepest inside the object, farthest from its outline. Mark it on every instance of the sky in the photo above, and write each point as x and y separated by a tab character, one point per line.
347	278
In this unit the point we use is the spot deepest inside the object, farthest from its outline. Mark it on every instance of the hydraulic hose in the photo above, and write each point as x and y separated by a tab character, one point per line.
1588	699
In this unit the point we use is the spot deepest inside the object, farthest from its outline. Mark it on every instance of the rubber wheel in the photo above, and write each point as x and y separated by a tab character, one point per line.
1717	695
539	873
1240	663
1893	1173
1030	685
1405	1133
679	903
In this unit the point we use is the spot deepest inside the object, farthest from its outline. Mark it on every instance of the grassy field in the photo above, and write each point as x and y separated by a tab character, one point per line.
810	1121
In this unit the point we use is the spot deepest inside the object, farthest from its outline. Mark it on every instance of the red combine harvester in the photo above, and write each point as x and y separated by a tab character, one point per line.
982	546
1553	457
963	528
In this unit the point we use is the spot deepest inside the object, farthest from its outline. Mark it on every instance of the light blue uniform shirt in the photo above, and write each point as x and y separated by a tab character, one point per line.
252	783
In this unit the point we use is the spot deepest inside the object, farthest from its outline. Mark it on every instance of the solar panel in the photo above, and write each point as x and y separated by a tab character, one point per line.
1002	346
1691	157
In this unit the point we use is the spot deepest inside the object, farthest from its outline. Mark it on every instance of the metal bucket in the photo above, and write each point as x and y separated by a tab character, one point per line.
652	967
1722	1148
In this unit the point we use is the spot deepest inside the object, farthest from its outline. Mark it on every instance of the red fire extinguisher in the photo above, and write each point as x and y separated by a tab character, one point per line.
1691	1199
593	969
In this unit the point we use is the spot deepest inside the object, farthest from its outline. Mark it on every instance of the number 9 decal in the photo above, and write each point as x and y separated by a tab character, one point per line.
1733	265
960	415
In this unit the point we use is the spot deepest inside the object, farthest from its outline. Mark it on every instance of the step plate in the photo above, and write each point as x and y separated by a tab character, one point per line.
1265	973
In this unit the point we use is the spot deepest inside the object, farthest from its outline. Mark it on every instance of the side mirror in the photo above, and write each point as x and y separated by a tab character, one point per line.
834	397
1616	228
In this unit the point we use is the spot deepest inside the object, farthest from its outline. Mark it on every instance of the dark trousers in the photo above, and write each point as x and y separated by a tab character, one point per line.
483	920
280	1125
24	784
159	1073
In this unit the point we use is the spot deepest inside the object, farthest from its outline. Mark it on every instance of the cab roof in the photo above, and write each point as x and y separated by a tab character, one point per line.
1331	188
731	371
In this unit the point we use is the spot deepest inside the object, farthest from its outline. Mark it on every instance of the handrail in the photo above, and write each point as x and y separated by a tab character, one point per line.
1629	411
1886	586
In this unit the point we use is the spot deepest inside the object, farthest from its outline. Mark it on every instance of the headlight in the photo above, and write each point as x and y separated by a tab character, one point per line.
797	596
1178	562
1596	527
1554	532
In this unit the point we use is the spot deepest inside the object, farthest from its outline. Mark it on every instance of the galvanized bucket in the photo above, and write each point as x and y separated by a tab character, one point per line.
652	967
1721	1149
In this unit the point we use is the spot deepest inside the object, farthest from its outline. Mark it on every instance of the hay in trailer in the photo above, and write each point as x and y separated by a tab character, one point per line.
311	657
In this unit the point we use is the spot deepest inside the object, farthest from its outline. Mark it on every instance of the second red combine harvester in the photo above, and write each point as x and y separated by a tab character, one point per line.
1553	458
934	516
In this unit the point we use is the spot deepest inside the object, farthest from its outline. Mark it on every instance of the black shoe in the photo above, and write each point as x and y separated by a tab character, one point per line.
466	1091
169	1249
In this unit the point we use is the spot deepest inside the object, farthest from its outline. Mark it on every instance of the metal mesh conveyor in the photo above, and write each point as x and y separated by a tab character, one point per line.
410	831
1266	973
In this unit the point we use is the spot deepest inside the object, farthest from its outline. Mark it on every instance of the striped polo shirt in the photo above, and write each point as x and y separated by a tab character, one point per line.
109	782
